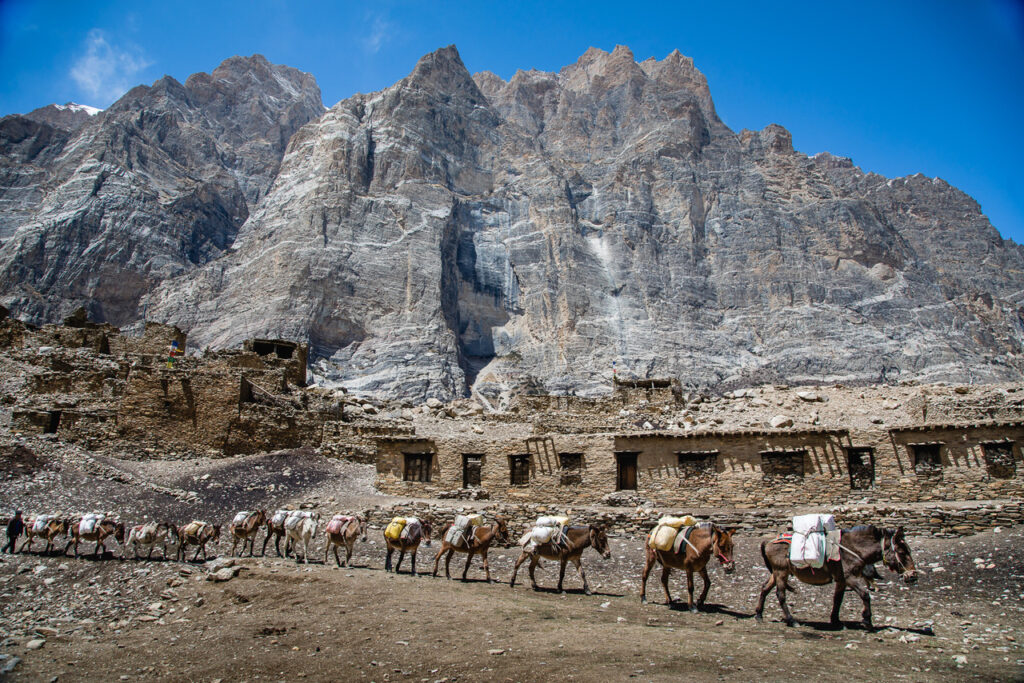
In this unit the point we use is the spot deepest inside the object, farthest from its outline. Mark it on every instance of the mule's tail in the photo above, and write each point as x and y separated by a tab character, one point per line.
771	569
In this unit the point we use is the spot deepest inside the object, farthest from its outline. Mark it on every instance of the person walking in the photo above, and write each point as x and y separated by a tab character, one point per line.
15	528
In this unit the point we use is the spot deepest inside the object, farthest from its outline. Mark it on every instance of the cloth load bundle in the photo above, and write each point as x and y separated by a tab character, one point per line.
815	539
394	528
194	528
460	528
242	518
89	522
664	534
547	529
278	518
412	531
338	523
40	523
295	517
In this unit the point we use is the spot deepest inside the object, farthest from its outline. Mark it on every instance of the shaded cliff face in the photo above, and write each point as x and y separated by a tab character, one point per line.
96	211
455	233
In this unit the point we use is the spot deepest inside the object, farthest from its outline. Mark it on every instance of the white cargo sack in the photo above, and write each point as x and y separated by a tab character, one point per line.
279	517
542	534
241	517
40	524
809	547
552	521
89	522
295	517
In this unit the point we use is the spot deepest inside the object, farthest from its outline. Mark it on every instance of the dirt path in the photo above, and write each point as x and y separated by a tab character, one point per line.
279	621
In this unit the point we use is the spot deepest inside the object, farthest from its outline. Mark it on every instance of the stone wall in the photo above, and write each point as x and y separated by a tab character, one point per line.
942	520
746	468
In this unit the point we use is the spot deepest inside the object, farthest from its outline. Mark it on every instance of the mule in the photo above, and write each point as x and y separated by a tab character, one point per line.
349	531
246	531
275	528
149	535
407	545
578	539
859	548
104	529
476	541
706	541
198	534
301	531
53	528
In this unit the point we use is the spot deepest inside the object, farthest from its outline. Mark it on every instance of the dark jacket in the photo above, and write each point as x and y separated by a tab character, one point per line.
15	527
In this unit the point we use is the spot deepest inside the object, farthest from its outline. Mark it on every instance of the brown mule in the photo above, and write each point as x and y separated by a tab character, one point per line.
54	528
246	531
476	542
197	534
706	540
579	538
100	533
860	547
350	531
404	546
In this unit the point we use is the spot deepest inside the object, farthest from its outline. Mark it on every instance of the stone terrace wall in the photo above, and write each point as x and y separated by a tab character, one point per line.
945	520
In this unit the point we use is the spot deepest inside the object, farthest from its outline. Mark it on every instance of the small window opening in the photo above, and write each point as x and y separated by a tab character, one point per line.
861	463
999	459
781	466
519	469
417	466
927	460
472	464
53	422
572	468
697	464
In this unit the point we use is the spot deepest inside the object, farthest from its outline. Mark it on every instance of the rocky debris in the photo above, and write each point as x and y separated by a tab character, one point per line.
781	422
223	574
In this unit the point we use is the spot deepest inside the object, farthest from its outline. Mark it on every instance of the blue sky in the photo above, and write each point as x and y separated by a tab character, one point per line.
900	87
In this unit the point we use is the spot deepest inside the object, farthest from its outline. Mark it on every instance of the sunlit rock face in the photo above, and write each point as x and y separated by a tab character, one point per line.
96	209
458	233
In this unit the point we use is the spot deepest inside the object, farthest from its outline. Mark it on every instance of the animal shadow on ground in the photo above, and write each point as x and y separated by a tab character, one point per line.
575	591
850	626
708	608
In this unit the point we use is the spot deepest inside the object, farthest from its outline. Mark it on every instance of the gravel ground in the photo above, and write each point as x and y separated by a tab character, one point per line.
110	618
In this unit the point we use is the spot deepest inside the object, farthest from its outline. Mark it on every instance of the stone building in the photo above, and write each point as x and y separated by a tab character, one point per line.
566	453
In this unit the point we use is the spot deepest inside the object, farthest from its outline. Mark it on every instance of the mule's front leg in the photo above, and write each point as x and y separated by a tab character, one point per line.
465	570
534	561
387	560
414	561
707	586
765	589
689	591
515	569
665	573
861	588
837	602
487	566
561	572
579	568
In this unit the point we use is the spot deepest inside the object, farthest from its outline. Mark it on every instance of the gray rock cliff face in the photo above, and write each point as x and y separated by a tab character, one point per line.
97	212
455	234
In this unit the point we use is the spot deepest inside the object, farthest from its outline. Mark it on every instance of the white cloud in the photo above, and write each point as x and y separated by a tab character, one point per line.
105	71
380	32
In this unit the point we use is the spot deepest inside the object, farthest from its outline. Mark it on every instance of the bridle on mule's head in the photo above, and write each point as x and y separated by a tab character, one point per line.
718	533
894	561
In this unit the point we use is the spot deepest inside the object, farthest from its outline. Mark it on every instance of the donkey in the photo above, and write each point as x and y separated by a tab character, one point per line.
198	534
579	538
476	541
103	530
343	531
407	545
52	528
859	548
693	555
300	527
149	535
275	528
246	531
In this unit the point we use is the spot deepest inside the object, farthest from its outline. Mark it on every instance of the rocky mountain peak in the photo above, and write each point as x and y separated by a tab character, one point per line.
68	116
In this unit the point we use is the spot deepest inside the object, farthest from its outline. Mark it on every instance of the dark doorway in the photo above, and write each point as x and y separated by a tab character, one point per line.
53	422
471	465
626	467
927	460
861	462
519	469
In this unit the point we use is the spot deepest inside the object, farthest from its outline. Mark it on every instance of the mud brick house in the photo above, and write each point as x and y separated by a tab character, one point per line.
575	460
